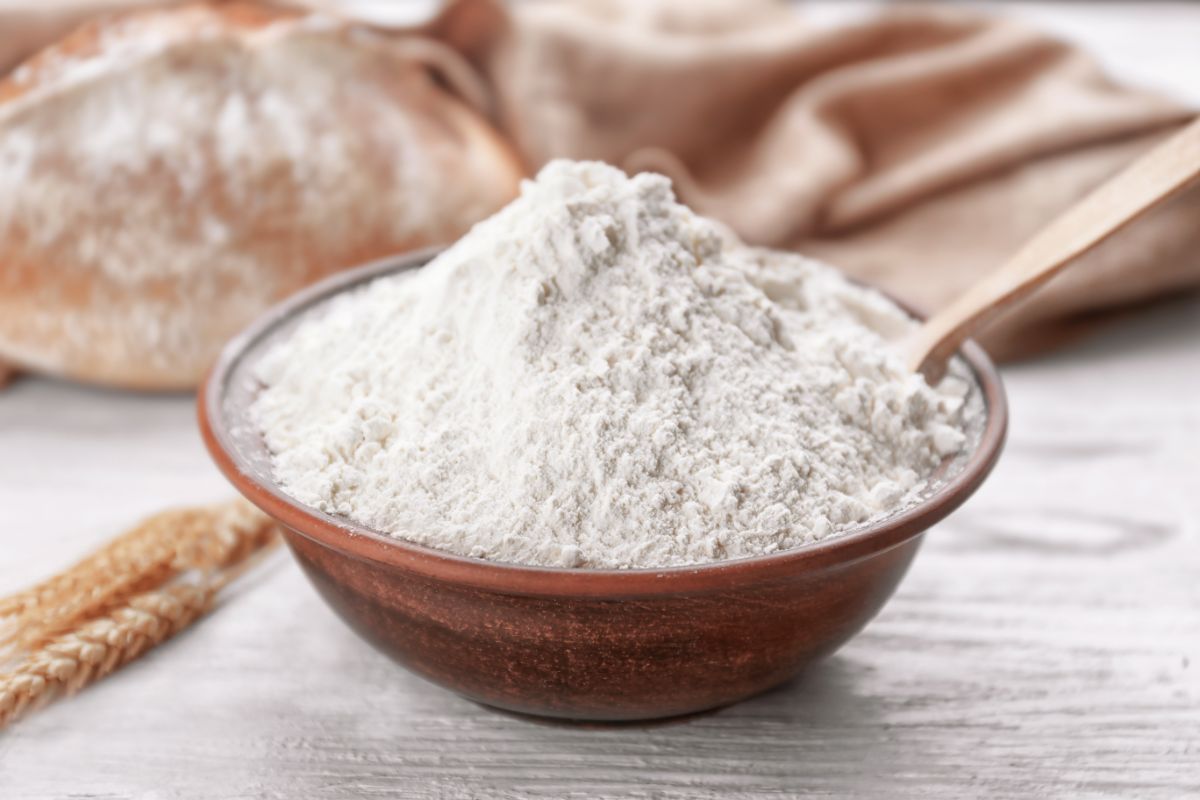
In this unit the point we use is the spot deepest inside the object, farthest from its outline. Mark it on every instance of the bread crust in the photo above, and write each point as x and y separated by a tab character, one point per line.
166	175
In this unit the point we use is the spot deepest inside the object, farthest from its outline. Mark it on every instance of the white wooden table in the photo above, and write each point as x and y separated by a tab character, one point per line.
1045	643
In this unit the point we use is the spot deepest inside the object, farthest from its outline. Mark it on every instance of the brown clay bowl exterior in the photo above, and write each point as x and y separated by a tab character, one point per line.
581	644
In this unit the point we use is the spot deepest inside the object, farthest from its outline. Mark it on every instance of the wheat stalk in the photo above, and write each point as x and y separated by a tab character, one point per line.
131	595
157	550
71	661
85	574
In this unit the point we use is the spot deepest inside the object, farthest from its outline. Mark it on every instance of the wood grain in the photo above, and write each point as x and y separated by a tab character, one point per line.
1045	644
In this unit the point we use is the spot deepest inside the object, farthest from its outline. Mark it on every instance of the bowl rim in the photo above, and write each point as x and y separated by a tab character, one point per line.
363	544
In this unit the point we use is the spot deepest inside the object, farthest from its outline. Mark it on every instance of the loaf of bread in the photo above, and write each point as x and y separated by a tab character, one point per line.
168	174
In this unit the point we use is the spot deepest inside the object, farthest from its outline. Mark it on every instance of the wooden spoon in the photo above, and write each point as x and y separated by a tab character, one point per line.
1147	182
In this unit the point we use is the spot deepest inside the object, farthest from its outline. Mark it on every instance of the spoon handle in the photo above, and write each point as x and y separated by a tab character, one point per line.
1144	184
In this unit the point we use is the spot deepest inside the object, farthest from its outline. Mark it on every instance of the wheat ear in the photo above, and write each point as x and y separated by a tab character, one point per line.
72	660
154	552
138	591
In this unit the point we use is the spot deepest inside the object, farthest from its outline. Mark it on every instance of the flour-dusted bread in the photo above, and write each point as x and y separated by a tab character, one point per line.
166	175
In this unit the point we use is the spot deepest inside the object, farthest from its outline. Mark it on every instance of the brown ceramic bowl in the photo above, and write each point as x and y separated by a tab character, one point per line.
582	644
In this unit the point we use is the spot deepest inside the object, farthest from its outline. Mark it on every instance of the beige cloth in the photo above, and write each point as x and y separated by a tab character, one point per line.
915	149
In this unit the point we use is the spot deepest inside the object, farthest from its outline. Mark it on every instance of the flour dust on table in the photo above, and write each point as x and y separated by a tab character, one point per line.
598	377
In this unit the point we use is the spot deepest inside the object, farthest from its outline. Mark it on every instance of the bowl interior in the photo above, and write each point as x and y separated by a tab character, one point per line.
241	451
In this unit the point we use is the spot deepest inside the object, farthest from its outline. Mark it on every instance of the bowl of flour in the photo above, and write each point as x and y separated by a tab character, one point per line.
599	459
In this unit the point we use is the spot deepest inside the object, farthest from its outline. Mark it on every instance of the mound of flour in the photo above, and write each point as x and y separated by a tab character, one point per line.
597	377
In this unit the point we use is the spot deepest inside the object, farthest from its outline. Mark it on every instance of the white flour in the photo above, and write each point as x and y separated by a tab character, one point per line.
597	377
